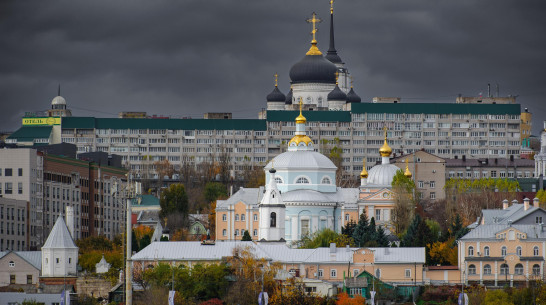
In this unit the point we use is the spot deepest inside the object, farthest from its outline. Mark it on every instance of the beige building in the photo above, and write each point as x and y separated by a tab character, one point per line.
428	173
400	266
19	267
508	246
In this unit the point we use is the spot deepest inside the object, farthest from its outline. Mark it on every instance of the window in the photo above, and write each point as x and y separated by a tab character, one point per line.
8	188
504	269
278	180
378	273
20	172
538	219
519	269
470	251
224	217
8	172
12	278
255	217
224	232
320	273
12	263
432	195
243	217
20	187
333	273
273	220
57	260
472	269
236	217
355	272
304	227
236	232
486	251
347	217
326	180
377	214
255	232
407	273
432	184
302	180
29	278
535	251
487	269
503	251
420	184
536	269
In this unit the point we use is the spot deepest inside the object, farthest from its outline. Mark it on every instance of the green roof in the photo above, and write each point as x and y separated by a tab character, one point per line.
29	133
311	116
145	200
436	108
172	124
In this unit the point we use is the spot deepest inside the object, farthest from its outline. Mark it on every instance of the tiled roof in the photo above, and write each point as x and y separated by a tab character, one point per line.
59	237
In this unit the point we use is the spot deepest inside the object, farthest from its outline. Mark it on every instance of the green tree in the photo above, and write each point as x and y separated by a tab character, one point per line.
349	228
246	236
381	237
497	297
321	238
145	241
360	233
405	201
214	191
174	200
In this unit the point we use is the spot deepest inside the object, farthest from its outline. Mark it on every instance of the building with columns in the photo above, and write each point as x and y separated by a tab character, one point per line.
508	246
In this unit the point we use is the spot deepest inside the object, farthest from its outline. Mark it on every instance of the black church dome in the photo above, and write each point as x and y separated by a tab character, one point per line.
337	95
313	69
276	96
352	97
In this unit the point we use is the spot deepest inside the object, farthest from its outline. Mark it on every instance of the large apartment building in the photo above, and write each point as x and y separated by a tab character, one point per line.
446	130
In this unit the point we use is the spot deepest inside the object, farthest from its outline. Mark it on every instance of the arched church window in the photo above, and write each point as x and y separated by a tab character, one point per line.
326	180
278	180
273	220
302	180
309	100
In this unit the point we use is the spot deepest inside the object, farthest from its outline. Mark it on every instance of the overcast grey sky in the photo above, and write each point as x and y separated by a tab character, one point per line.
184	58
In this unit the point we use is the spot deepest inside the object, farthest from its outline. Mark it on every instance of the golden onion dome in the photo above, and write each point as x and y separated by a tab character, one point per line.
301	119
364	172
385	150
297	139
407	173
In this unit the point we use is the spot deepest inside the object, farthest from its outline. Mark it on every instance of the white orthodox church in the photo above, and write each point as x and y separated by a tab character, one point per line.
301	196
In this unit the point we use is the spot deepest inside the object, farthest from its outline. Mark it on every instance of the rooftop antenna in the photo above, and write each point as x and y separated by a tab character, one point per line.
59	90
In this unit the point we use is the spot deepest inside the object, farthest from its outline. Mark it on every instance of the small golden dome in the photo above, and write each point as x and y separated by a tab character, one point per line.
364	172
407	173
385	150
297	139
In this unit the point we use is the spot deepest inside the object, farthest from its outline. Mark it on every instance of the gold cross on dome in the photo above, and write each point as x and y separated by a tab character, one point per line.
385	129
314	20
351	81
276	79
337	77
301	103
331	6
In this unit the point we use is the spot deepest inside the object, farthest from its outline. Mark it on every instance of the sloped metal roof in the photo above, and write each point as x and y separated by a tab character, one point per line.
490	231
249	196
29	133
59	237
399	255
301	159
32	257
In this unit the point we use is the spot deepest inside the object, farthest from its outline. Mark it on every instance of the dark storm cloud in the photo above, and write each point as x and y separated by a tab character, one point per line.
184	58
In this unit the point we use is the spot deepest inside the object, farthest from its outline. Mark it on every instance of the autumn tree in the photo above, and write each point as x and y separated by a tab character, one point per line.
405	201
163	168
344	299
468	197
251	273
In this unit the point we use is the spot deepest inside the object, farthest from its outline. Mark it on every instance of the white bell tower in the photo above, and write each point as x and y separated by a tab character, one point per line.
272	212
